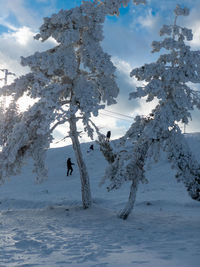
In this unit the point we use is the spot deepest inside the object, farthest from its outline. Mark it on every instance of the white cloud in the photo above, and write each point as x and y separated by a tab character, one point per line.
19	43
24	16
8	25
148	21
196	35
145	108
193	22
23	36
126	43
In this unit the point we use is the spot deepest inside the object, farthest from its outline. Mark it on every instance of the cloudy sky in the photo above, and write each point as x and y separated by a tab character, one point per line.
128	40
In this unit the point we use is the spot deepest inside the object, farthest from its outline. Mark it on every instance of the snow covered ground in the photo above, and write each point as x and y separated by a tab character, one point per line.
45	225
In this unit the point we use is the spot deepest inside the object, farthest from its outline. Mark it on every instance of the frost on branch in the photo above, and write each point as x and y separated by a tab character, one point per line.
181	11
185	163
168	80
8	118
29	136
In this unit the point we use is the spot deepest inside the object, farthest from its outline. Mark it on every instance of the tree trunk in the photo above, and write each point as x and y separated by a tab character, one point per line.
85	184
131	201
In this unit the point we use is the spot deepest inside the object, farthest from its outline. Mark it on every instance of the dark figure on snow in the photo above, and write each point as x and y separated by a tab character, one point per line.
69	167
91	148
108	136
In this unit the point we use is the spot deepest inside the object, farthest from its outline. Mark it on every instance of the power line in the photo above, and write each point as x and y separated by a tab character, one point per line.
118	113
103	114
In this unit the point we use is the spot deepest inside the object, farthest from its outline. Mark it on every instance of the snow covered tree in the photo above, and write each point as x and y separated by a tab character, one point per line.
69	82
169	80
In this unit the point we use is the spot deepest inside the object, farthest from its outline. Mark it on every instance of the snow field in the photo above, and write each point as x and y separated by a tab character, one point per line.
45	225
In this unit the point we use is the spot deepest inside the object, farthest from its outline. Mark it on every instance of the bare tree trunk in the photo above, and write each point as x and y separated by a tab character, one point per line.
85	184
141	150
131	201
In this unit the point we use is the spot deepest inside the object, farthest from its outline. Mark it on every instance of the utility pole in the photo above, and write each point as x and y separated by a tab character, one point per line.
5	79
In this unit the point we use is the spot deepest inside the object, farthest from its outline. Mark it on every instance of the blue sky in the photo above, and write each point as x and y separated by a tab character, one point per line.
127	39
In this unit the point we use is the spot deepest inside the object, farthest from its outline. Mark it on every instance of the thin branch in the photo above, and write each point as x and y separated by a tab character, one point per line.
67	136
64	102
58	123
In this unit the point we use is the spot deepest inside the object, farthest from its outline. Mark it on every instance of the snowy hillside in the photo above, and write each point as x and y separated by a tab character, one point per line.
45	225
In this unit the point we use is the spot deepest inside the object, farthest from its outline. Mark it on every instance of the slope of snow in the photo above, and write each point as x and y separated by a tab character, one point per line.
45	225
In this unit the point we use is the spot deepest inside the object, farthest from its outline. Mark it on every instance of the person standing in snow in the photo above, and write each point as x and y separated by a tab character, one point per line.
108	136
90	149
69	167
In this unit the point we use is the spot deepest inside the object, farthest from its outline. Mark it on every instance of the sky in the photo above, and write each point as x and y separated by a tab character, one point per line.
127	39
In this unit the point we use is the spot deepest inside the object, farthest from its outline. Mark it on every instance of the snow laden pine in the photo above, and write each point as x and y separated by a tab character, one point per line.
69	83
168	80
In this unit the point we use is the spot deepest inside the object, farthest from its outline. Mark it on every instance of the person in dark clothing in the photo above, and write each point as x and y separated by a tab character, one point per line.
108	136
69	167
91	148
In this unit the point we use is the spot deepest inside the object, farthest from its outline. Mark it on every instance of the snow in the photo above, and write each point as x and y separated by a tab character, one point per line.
45	225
